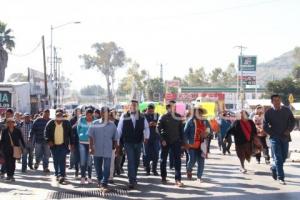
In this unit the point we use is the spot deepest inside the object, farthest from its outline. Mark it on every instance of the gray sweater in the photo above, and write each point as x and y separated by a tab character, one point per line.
279	123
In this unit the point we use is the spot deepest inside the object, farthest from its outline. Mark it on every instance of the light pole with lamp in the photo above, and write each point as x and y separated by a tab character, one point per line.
53	60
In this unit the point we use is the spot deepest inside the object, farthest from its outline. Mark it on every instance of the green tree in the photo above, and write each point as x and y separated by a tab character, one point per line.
284	87
109	57
197	77
6	44
183	82
155	89
17	77
135	80
216	77
229	75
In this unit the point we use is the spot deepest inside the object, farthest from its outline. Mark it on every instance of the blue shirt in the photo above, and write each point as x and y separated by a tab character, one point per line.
103	135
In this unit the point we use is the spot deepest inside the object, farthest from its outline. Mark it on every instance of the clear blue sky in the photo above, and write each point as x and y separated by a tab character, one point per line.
178	33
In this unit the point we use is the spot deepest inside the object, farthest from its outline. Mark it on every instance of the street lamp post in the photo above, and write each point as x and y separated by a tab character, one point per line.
53	72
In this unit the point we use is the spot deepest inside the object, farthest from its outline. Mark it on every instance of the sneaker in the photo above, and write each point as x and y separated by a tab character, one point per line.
36	166
243	170
82	181
274	174
155	173
90	181
130	186
267	162
61	180
46	170
282	182
189	175
200	180
164	180
179	184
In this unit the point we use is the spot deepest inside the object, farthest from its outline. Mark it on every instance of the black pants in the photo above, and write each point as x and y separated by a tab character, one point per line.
226	145
176	150
263	141
10	162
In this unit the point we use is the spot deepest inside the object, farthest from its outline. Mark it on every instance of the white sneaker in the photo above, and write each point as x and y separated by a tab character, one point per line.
82	181
200	180
90	181
282	182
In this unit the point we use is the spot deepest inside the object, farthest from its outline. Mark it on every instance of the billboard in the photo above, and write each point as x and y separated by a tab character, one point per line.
37	82
248	80
5	99
247	63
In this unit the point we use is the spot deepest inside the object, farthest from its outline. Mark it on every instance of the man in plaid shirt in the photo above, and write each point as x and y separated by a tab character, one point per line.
26	127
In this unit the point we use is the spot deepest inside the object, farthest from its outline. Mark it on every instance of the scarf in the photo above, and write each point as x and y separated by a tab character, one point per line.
247	129
199	131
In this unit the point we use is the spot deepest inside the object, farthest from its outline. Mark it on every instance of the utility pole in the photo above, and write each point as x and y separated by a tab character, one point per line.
240	83
45	68
161	73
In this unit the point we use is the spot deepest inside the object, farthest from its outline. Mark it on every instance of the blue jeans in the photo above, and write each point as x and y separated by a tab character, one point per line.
152	154
27	154
42	152
75	158
176	151
195	156
133	152
280	150
59	153
85	160
102	166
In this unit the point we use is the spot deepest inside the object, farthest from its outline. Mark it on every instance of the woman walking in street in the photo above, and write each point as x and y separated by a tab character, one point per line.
196	133
258	120
243	131
85	158
10	143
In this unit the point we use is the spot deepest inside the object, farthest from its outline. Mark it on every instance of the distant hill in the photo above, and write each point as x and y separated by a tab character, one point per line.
278	68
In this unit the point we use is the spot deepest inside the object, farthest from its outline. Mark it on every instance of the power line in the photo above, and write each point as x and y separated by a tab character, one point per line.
29	53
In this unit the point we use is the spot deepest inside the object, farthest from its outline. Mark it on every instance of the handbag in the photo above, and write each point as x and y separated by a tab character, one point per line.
17	151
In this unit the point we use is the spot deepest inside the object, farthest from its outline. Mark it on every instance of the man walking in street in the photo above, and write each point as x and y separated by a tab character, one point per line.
26	126
8	114
153	146
279	122
102	142
134	129
59	136
42	151
170	128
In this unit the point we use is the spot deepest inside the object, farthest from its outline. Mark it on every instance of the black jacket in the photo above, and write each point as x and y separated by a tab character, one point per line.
170	127
68	133
237	132
17	139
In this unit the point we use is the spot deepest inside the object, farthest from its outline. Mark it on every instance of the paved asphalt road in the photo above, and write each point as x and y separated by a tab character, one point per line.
223	181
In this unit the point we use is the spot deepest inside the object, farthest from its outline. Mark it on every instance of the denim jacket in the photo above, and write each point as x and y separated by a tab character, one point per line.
189	130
